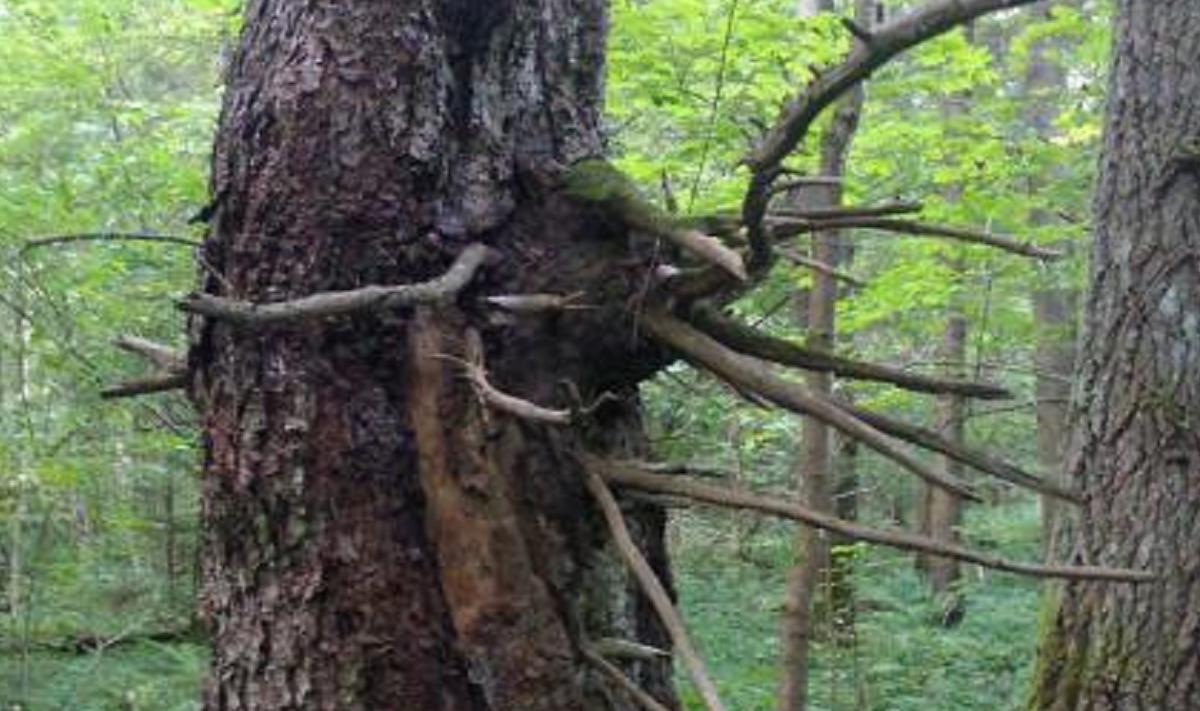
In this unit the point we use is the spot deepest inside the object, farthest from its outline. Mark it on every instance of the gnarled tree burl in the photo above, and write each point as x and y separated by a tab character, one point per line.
400	511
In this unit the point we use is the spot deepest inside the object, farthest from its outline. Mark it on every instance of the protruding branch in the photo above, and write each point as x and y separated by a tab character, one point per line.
752	342
976	459
886	209
624	649
654	591
40	242
820	267
613	672
623	475
755	376
157	383
708	249
510	404
919	229
340	303
537	303
161	356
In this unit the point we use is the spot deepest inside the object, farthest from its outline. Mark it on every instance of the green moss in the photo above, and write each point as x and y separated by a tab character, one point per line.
597	182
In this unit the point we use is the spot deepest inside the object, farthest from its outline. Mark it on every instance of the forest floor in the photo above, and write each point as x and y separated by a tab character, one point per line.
730	580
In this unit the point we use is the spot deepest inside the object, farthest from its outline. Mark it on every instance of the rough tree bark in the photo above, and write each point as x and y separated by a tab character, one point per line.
375	537
1135	449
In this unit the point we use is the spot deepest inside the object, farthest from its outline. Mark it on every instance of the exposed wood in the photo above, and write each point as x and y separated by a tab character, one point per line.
340	303
624	475
654	591
756	376
624	649
750	341
537	303
710	250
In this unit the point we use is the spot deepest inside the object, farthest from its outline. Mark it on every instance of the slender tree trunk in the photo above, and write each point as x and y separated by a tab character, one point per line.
814	466
1055	298
376	538
942	510
1134	450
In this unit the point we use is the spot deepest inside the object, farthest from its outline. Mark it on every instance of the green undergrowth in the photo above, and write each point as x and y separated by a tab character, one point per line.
731	581
136	677
901	658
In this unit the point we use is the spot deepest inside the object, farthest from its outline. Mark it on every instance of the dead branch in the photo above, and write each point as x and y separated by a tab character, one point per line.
886	209
976	459
756	376
709	249
161	356
40	242
537	303
624	475
340	303
612	671
920	229
624	649
157	383
804	181
510	404
820	267
653	589
751	342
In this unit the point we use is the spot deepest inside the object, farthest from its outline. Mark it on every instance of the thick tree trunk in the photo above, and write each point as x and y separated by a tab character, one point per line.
376	538
1135	450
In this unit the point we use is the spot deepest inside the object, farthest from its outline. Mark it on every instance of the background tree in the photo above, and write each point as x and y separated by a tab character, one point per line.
1133	449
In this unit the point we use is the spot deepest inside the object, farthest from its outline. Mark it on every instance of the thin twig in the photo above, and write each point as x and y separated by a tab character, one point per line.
625	475
40	242
654	591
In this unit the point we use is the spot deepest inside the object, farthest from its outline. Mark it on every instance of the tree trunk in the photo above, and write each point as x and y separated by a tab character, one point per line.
941	510
1134	449
376	538
1055	297
814	466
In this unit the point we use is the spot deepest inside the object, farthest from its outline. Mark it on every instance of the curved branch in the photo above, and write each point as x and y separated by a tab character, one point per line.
752	342
340	303
887	41
755	376
776	506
